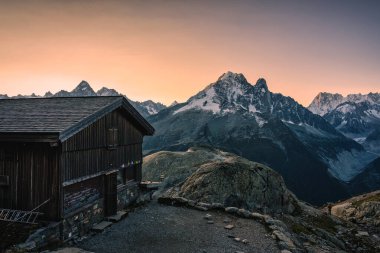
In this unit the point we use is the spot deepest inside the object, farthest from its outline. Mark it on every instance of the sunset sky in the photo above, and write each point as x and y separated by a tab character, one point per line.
168	50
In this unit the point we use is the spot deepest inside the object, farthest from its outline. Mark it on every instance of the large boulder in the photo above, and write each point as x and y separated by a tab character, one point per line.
175	167
240	183
213	176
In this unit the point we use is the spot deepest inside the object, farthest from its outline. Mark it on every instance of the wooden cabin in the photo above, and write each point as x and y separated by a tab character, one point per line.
67	153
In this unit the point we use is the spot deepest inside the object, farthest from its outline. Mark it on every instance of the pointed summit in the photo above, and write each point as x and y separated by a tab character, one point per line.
231	76
324	102
83	89
174	103
48	94
104	91
261	84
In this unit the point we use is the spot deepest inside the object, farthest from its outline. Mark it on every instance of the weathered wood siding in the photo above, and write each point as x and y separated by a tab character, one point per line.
87	152
33	177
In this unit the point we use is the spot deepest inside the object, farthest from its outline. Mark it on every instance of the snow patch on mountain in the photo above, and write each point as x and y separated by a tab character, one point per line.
260	121
360	140
252	109
346	165
373	113
345	108
204	102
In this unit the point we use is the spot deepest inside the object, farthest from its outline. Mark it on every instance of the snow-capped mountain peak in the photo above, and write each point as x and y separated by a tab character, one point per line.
357	116
104	91
83	89
230	93
261	85
324	102
231	76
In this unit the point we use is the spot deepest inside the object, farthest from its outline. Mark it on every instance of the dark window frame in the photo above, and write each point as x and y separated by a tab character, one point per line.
112	138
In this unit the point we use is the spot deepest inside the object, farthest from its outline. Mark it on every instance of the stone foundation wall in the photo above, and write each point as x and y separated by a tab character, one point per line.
127	195
79	222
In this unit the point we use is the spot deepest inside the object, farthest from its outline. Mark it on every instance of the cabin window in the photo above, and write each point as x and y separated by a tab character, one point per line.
112	138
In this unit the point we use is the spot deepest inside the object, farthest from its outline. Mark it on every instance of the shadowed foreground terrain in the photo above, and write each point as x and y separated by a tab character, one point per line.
160	228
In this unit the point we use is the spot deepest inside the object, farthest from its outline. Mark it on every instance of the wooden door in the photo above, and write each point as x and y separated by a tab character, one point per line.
110	194
9	176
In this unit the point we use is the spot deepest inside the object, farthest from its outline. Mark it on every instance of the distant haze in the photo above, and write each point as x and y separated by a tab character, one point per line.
168	50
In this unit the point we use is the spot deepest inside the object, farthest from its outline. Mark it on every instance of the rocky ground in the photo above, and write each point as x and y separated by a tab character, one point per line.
162	228
213	201
207	179
362	210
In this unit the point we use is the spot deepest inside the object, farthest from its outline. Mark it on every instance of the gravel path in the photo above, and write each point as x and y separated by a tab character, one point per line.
160	228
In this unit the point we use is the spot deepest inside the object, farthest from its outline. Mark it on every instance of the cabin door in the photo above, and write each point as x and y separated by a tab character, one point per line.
110	194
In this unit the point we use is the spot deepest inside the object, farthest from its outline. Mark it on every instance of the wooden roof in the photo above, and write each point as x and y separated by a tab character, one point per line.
64	116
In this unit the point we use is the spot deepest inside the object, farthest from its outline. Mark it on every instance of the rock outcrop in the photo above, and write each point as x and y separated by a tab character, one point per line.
212	176
363	209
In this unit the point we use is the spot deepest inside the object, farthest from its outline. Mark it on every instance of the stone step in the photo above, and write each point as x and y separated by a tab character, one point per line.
101	226
118	216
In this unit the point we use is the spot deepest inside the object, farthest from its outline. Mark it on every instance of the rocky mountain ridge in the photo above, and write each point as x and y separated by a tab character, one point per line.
249	120
356	116
145	108
325	102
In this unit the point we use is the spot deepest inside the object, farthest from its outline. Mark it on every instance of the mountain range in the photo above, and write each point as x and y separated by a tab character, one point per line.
316	160
145	108
356	116
324	152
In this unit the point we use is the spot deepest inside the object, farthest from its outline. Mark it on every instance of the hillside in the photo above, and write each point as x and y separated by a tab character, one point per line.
249	120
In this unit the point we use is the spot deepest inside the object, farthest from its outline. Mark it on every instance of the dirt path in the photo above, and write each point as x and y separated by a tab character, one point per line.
160	228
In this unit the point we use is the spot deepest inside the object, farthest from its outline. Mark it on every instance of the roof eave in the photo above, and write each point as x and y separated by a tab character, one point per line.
123	103
49	137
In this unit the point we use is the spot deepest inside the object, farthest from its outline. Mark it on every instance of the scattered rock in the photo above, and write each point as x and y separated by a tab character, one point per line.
226	220
210	222
27	246
191	203
208	216
237	239
244	213
217	206
205	205
285	241
257	216
231	209
201	208
181	200
245	241
229	227
362	233
277	223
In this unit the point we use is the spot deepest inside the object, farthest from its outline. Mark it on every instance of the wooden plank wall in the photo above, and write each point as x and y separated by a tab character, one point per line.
32	169
87	153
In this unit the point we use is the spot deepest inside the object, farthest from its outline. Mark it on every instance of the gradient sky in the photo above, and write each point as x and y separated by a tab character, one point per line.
168	50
